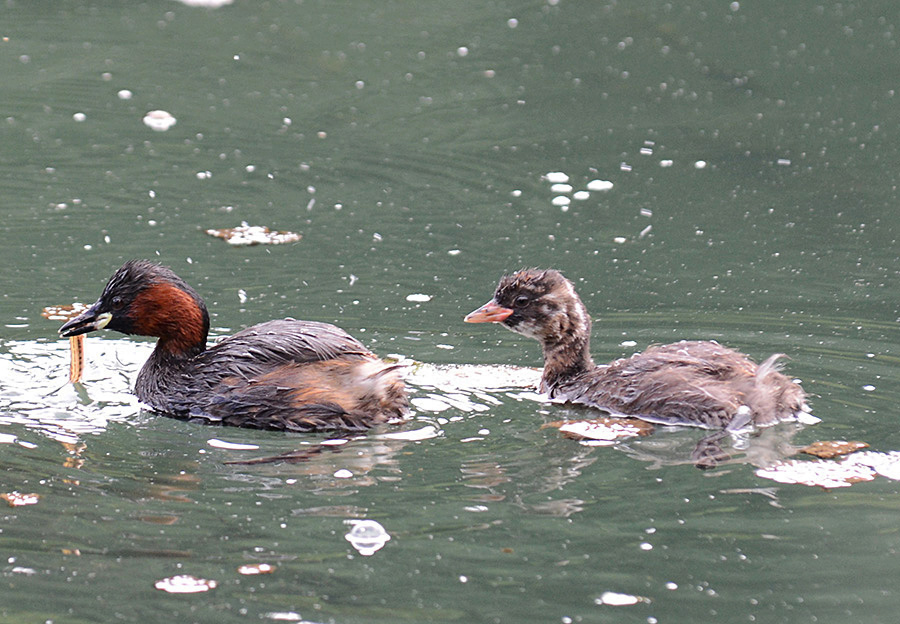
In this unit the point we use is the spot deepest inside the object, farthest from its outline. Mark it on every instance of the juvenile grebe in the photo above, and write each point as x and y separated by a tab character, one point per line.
284	374
697	383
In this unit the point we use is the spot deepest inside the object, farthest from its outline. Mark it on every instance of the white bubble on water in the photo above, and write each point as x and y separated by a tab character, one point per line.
206	4
599	185
555	177
367	536
159	120
615	599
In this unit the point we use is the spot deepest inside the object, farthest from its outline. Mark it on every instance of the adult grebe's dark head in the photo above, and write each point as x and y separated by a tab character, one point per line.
148	299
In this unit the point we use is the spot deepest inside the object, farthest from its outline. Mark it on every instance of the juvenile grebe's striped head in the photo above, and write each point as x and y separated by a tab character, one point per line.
540	304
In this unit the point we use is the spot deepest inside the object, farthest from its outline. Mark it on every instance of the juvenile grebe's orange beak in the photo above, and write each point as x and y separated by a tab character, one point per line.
491	312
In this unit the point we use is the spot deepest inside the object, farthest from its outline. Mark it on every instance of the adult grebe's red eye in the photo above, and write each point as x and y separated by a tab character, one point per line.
117	303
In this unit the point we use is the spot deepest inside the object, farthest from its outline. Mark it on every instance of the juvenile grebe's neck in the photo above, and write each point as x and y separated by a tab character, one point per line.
567	349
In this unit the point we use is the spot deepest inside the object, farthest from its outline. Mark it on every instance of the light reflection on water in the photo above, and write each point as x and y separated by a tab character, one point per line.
35	388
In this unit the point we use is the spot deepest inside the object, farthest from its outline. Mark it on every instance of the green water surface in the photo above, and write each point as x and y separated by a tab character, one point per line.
752	149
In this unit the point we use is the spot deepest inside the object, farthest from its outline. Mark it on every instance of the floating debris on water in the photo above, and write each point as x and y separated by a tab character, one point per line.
159	120
17	499
821	472
246	234
418	298
828	473
833	448
367	536
885	464
184	584
604	429
251	569
63	312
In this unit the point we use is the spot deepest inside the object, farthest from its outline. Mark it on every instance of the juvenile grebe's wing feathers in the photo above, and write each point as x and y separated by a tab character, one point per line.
658	396
687	383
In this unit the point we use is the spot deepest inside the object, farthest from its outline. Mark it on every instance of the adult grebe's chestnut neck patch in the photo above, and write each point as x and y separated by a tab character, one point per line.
174	316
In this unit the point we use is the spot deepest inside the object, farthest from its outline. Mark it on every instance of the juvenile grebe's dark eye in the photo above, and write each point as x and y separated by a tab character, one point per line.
521	301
